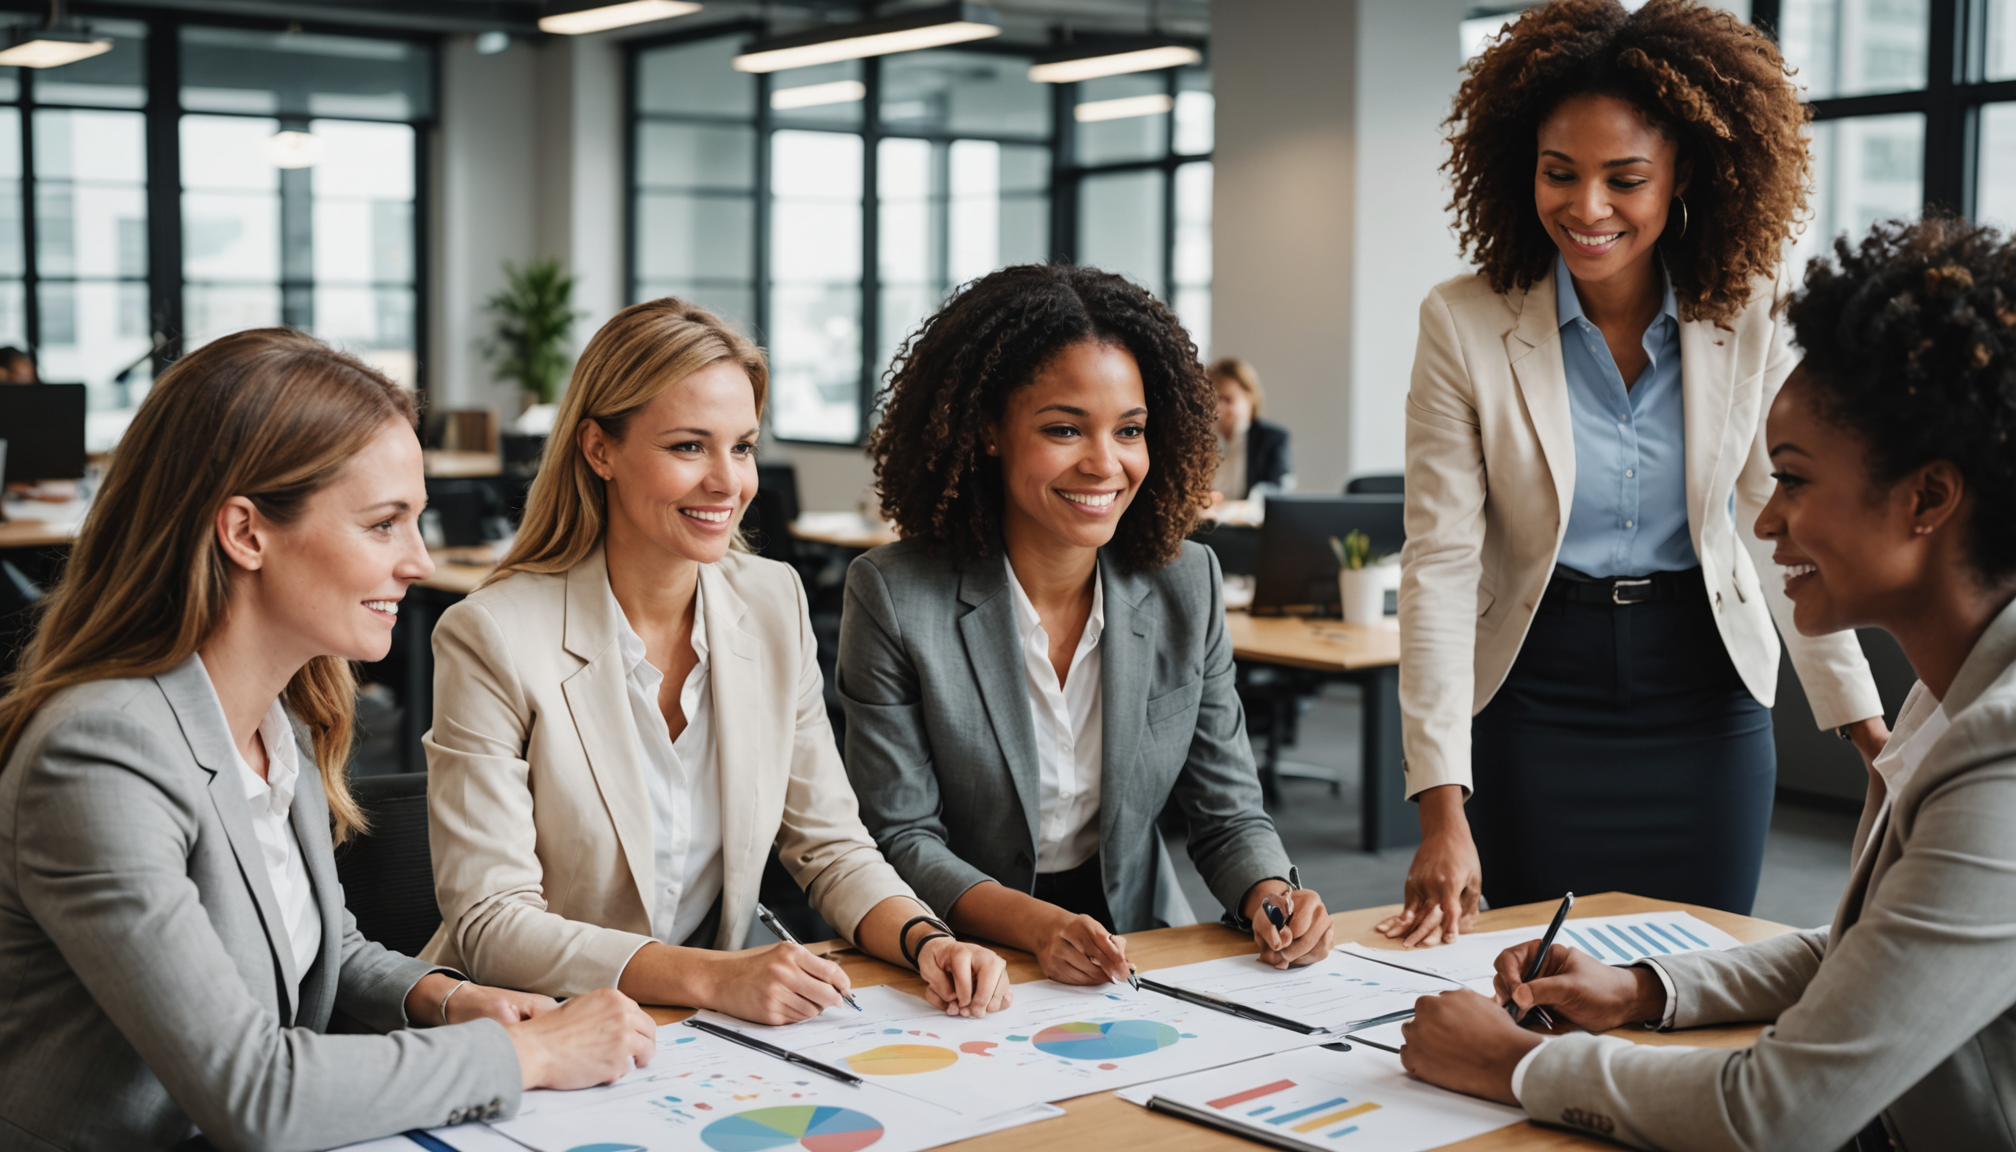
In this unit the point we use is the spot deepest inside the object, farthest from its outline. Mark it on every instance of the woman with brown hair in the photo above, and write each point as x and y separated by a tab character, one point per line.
629	714
1040	666
1252	452
1585	637
173	940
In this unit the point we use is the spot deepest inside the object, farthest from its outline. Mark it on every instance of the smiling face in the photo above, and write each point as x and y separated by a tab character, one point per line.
332	578
1604	182
1852	553
685	469
1073	448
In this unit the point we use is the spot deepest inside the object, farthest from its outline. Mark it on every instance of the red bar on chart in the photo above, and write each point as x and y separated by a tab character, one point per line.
1251	1094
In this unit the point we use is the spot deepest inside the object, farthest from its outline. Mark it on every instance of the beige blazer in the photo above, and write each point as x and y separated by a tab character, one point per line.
541	828
1906	1006
1491	479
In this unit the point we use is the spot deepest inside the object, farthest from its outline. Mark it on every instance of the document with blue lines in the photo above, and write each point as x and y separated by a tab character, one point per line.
1612	939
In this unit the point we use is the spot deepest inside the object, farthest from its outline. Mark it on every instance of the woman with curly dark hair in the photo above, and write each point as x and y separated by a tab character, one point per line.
1584	637
1041	664
1895	508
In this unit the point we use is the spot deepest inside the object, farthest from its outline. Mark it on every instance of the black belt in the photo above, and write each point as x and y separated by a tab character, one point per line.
1572	587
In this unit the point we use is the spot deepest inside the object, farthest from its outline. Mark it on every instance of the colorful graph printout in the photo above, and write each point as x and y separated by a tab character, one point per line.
813	1128
1339	992
1113	1040
1322	1099
1614	939
901	1060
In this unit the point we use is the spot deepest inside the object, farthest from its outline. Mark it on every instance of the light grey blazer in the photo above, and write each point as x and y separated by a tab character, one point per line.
145	976
1907	1005
942	750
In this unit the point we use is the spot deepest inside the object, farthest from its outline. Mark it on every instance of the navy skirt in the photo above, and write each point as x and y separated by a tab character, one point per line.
1623	753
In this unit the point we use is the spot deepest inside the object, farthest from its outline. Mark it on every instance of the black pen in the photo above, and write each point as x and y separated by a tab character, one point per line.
1227	1006
768	1049
1540	958
778	930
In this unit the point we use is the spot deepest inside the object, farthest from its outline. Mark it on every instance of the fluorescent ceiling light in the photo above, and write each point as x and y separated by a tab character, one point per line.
293	149
51	48
813	95
925	28
1124	107
1109	63
577	19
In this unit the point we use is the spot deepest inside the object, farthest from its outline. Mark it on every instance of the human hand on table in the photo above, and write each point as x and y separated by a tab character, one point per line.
1309	934
1445	879
1463	1042
591	1039
1077	949
963	979
472	1001
1578	988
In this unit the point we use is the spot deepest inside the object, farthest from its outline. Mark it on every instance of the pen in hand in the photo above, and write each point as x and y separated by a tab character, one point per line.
1540	959
778	930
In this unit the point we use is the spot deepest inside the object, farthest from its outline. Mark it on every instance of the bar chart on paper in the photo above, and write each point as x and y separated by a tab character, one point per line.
1322	1099
1613	939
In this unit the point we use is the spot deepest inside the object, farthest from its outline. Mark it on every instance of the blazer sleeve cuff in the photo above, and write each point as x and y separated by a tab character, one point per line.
848	902
1854	701
379	1001
1421	777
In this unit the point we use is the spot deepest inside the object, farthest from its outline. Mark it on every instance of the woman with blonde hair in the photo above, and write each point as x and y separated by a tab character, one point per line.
173	940
1252	452
629	713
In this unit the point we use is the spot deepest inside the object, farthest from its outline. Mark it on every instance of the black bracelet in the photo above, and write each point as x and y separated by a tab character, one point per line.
917	963
903	933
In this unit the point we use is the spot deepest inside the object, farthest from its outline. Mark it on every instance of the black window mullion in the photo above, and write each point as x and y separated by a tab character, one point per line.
762	224
1946	111
871	243
164	191
1063	174
31	291
1169	160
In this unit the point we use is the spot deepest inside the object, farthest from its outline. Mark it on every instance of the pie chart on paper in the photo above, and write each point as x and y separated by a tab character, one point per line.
815	1128
902	1060
1113	1040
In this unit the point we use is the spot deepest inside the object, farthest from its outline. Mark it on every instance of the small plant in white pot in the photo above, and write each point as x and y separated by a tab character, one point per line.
1360	588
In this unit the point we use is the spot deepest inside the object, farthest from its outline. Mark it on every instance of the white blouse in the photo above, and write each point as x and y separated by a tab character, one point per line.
1070	732
683	779
272	803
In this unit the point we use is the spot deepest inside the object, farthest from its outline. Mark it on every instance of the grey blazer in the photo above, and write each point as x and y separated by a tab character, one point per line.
1907	1005
144	975
942	750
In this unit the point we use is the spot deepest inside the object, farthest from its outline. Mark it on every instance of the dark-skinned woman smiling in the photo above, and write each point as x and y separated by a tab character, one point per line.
1894	445
1585	639
1041	664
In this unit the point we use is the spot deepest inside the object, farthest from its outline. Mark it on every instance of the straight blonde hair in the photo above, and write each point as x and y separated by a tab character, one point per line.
1241	373
270	414
642	351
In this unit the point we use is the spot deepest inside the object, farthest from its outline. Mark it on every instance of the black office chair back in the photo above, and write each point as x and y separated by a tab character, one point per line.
783	480
1394	485
767	528
388	876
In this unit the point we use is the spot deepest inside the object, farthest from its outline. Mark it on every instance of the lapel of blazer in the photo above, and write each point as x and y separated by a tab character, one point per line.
1707	391
598	697
1534	348
189	692
310	817
994	650
1125	663
745	739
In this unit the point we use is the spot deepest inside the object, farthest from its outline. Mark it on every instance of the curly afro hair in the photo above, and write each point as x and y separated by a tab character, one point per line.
1910	343
954	375
1715	86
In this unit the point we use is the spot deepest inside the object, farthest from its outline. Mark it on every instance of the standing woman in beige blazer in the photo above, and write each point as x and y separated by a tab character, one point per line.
1585	638
630	713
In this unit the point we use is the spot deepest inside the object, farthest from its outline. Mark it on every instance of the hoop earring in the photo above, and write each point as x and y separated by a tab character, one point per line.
1682	201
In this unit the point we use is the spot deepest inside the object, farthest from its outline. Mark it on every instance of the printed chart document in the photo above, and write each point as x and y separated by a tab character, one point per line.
1613	939
1055	1042
1338	993
1316	1098
700	1092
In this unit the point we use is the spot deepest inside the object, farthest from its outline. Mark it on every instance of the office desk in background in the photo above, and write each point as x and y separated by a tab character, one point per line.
843	530
1103	1120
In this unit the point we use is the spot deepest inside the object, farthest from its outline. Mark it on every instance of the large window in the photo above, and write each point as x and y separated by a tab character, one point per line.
1914	107
831	209
146	205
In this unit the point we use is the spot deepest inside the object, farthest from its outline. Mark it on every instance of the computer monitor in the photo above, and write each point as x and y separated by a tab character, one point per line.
1297	570
43	425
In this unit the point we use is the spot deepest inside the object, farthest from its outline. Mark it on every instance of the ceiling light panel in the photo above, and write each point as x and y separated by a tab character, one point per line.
1123	108
46	53
814	95
1115	64
603	17
926	28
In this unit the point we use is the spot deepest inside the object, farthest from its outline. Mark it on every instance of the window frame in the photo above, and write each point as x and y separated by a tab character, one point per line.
1951	101
1064	178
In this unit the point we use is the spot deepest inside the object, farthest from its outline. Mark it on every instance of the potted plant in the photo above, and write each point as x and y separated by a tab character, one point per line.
531	320
1361	590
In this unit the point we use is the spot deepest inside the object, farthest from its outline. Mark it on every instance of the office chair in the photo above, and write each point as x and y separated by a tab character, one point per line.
1376	485
388	875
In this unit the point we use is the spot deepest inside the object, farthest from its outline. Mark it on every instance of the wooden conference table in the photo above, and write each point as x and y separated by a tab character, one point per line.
1103	1120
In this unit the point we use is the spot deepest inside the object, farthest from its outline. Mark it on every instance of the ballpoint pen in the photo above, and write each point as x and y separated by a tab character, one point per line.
778	930
1230	1007
1540	958
769	1049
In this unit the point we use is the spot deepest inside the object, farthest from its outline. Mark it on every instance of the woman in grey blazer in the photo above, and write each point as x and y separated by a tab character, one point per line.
173	941
1041	664
1895	507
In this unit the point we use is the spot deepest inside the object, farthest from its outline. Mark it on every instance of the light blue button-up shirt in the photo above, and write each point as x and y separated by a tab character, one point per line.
1630	511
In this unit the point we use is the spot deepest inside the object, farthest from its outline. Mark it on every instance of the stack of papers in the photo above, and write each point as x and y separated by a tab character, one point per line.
1612	939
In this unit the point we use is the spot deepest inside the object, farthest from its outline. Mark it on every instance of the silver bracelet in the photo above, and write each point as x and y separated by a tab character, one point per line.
444	1001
